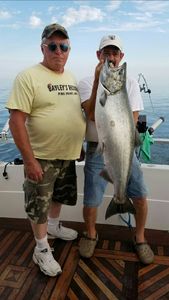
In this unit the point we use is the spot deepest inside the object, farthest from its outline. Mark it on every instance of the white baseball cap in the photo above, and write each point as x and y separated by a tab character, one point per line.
111	40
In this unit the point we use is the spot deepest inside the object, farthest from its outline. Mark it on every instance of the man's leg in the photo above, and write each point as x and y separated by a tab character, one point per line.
42	255
90	216
64	192
143	250
37	198
90	237
55	228
140	218
39	230
137	191
94	187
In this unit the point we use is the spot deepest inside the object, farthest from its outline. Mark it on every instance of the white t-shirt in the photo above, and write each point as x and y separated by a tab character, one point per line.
85	89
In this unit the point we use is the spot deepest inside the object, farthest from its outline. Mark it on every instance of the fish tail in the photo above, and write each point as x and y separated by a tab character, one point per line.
119	208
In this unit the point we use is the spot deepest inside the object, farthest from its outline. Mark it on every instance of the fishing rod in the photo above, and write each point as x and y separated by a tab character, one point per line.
144	88
142	124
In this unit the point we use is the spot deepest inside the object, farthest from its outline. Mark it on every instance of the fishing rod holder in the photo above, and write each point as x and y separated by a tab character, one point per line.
155	125
5	131
3	135
142	124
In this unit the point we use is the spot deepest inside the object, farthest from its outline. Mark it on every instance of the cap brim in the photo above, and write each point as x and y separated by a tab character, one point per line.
111	44
53	31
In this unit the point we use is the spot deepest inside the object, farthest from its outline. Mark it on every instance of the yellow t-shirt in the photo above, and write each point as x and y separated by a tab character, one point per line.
55	124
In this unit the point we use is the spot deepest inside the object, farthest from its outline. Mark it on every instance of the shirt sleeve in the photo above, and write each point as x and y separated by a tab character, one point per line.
22	94
85	88
134	95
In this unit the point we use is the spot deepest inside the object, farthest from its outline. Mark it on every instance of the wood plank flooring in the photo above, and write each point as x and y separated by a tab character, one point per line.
114	271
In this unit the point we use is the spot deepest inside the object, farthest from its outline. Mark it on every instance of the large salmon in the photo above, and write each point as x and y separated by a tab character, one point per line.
116	134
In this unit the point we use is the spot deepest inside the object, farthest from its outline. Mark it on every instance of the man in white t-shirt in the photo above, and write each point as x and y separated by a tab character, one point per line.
110	48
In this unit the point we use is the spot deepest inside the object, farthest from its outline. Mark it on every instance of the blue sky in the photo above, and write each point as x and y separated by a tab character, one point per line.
143	27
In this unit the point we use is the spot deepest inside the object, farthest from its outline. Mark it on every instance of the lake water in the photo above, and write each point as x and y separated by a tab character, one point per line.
160	108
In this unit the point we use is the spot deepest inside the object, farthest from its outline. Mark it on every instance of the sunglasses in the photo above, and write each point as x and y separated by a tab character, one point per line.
53	47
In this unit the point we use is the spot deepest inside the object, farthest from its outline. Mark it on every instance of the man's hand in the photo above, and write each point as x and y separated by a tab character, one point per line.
82	155
33	170
89	104
98	69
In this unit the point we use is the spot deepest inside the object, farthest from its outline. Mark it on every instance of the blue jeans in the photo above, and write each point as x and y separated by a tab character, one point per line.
95	185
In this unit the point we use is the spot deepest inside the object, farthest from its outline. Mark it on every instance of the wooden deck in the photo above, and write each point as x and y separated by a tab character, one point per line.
114	272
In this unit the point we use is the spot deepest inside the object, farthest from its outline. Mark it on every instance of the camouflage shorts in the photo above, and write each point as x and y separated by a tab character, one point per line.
58	184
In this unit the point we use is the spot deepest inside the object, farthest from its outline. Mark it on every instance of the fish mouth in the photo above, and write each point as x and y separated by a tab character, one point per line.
111	64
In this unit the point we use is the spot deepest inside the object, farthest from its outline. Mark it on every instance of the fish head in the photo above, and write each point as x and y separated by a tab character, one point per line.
113	79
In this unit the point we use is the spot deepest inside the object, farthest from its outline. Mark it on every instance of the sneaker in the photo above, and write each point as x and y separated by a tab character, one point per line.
61	232
46	262
87	245
144	252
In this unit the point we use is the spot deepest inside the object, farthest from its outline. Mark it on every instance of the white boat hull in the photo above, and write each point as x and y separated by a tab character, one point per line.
156	176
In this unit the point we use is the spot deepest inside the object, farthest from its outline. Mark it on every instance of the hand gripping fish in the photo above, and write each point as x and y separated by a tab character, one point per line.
116	133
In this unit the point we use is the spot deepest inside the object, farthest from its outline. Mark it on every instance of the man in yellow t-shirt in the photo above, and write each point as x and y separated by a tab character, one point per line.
48	128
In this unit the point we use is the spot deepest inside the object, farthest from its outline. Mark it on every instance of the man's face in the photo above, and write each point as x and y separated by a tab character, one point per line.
111	53
56	51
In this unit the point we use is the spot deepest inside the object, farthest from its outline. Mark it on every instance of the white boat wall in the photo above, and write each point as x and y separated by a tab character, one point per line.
156	177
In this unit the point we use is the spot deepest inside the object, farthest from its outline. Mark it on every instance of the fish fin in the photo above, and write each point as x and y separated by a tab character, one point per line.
119	208
104	173
103	98
138	141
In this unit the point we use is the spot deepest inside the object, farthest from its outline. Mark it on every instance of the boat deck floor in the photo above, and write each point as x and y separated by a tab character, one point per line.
114	271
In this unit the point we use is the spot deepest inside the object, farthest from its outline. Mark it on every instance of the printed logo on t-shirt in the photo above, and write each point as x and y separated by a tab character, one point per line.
63	89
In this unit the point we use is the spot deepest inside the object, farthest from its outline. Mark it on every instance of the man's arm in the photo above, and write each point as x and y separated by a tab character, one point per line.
89	104
18	129
135	116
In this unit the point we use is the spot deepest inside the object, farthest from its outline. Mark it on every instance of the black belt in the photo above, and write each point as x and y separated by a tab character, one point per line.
92	144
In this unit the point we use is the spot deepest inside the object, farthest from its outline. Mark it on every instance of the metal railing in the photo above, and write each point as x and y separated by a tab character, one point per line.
4	134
